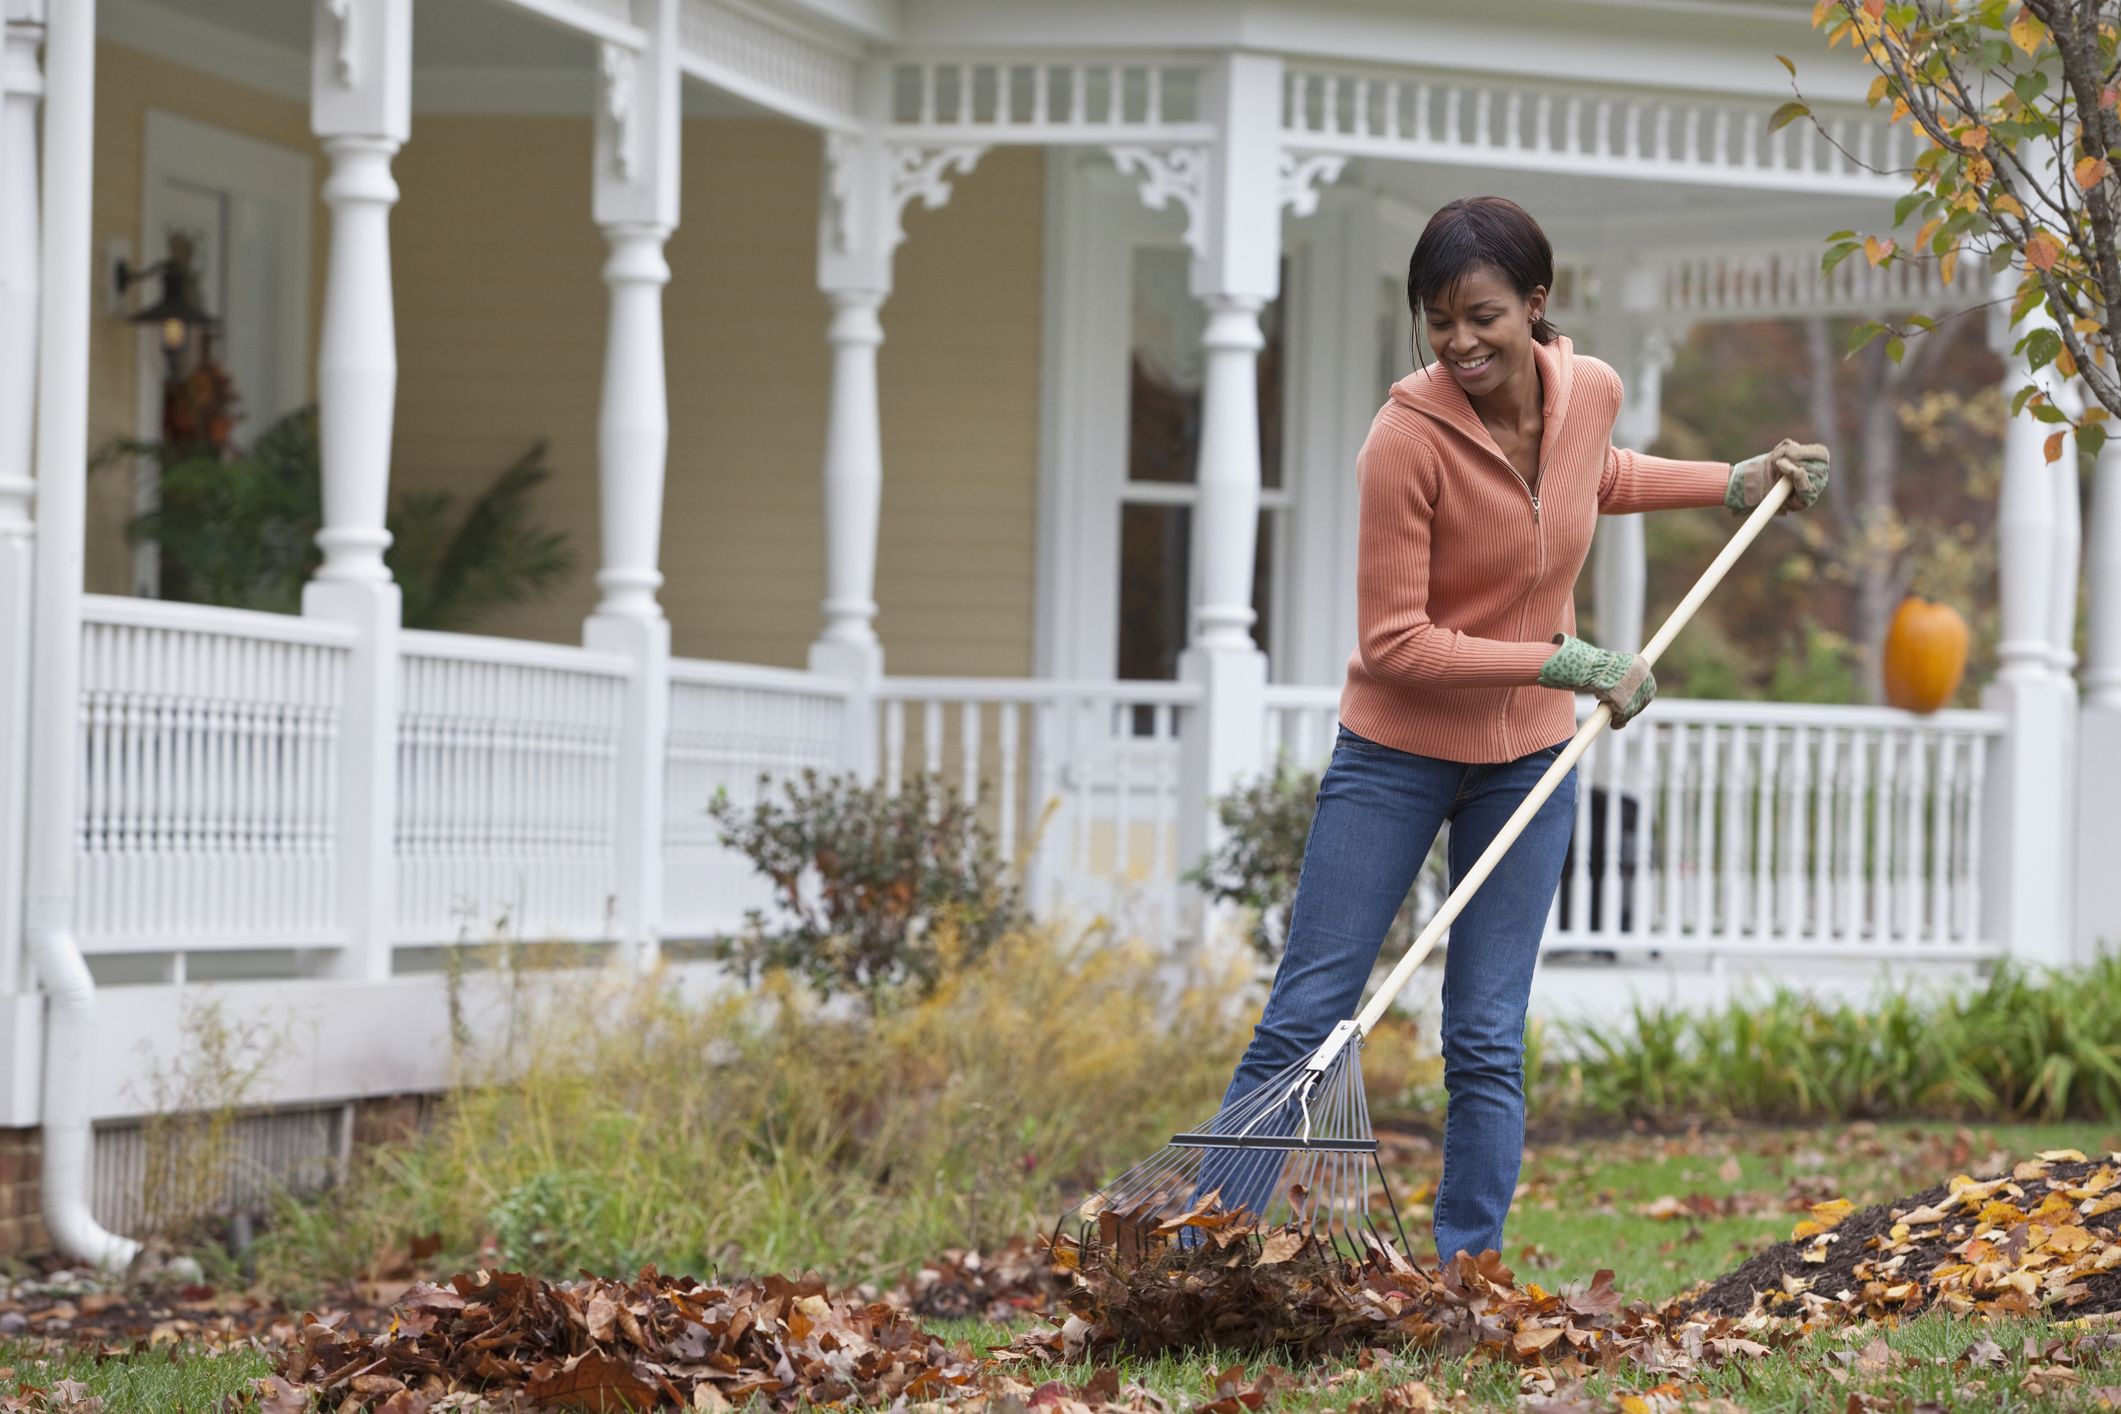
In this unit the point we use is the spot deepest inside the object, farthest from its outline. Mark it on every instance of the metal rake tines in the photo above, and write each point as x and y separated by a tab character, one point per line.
1297	1149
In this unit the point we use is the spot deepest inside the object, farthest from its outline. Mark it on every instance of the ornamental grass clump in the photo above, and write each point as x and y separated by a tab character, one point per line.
761	1131
2016	1045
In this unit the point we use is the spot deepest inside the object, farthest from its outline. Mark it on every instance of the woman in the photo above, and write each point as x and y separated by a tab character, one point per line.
1481	480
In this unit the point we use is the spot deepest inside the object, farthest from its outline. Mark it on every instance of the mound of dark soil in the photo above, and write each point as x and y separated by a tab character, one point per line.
2045	1236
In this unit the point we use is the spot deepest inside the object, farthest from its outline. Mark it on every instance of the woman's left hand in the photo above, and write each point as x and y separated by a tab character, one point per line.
1805	464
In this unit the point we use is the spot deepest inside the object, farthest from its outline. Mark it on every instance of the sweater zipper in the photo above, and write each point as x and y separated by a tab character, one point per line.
1525	605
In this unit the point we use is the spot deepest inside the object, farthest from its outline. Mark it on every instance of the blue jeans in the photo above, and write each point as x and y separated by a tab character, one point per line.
1378	812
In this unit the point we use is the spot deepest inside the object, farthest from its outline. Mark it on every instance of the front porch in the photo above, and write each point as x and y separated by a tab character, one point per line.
304	810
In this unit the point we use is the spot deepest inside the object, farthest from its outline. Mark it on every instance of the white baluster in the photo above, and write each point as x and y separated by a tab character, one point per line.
1614	768
1884	834
1671	919
1580	866
1005	810
1943	837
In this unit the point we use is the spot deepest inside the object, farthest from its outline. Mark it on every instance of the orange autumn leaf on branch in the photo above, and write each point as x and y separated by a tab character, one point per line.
2042	251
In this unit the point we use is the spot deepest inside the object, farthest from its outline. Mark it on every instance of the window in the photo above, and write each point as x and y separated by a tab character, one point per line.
1157	588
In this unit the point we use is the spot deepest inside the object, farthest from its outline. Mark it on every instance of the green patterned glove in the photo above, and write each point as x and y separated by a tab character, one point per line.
1622	682
1806	464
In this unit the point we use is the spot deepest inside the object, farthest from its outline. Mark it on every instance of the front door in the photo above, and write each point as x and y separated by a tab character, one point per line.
245	206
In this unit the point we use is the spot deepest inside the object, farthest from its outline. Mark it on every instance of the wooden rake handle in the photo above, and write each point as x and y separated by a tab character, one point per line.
1403	971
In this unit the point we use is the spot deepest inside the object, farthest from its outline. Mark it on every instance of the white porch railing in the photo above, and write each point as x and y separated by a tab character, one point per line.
1078	781
507	781
1783	828
209	752
731	724
210	742
1749	827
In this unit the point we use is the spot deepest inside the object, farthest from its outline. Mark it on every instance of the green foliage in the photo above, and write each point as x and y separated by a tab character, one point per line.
452	573
2018	1046
609	1124
2016	111
1265	824
863	878
241	531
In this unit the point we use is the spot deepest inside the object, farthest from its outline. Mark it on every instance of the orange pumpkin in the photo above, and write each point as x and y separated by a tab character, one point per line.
1925	654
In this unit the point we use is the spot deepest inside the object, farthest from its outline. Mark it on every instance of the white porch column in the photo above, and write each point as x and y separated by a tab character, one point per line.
1236	270
1620	564
2028	894
2099	719
21	85
361	107
636	202
856	221
867	183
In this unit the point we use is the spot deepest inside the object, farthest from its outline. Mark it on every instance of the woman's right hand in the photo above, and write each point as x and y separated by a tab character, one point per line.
1621	681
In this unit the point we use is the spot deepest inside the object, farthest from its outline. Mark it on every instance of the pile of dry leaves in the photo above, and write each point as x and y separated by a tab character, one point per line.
1242	1288
1017	1280
2042	1236
597	1344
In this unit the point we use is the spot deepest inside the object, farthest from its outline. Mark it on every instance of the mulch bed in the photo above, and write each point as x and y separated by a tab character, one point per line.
2046	1234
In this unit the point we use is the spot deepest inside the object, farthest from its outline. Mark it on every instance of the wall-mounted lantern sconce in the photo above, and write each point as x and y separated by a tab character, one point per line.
178	315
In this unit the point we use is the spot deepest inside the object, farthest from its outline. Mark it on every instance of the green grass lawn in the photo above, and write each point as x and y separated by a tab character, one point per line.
168	1378
1584	1204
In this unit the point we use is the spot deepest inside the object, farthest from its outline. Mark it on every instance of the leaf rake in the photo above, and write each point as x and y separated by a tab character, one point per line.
1298	1152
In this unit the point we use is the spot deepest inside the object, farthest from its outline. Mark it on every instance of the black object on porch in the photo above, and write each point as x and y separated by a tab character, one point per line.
1630	852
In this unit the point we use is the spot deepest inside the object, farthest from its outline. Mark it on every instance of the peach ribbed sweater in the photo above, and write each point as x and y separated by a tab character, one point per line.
1462	580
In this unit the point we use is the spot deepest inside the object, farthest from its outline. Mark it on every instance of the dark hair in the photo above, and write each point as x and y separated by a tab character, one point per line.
1473	231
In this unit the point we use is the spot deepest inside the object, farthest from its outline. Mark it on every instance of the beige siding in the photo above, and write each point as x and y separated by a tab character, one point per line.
500	318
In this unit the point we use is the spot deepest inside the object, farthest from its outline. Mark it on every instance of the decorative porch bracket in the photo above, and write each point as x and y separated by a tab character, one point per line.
635	186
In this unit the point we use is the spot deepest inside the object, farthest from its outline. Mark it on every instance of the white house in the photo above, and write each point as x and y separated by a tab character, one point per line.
673	236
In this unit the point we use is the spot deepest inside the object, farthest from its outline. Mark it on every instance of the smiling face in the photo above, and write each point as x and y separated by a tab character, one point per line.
1480	328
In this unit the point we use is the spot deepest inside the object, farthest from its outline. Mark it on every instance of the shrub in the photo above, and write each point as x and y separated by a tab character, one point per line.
756	1131
863	877
1256	866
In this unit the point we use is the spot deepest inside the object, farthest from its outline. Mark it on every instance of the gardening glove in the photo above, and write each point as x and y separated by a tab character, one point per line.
1620	681
1804	463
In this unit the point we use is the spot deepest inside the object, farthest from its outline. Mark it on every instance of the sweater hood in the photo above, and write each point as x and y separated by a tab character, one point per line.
1434	393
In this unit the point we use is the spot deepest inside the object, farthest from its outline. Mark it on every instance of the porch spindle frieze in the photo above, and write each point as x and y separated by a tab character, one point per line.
1049	99
1503	123
772	60
1785	282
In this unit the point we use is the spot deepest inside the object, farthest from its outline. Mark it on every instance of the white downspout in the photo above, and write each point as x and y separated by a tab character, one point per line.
55	647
